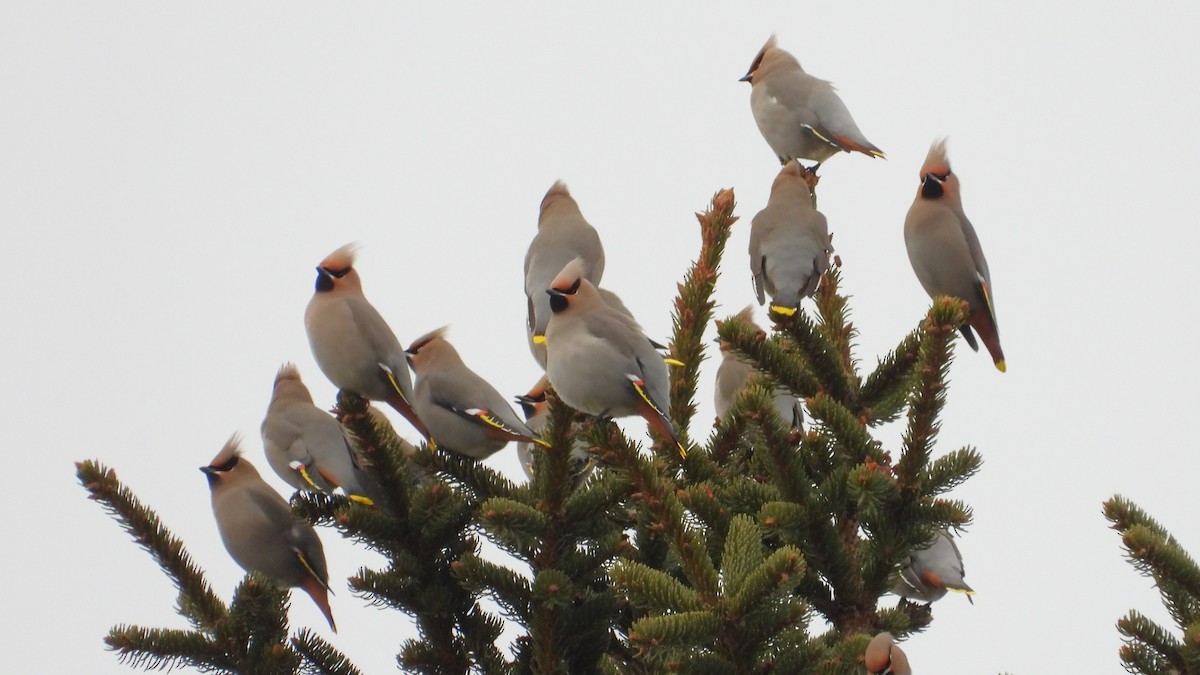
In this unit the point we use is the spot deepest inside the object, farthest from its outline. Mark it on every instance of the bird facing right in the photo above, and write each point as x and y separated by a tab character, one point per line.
800	116
945	251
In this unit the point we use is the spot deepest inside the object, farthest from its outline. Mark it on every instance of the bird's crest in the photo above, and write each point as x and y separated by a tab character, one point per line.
231	449
559	189
342	258
287	371
435	334
758	58
937	161
568	279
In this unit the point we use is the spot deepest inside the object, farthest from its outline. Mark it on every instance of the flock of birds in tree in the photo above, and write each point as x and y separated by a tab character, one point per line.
590	347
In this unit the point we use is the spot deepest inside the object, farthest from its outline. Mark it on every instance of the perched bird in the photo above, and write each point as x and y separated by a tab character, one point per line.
563	235
734	373
536	408
352	343
789	243
599	360
307	447
884	656
462	411
931	571
945	252
259	530
799	115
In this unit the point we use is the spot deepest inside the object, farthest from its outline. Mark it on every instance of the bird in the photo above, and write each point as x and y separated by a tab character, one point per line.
734	374
563	235
800	116
945	252
599	361
307	447
884	657
259	530
536	409
789	243
461	410
932	571
351	342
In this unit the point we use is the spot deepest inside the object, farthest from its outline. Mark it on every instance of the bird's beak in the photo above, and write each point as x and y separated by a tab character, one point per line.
746	77
209	470
555	291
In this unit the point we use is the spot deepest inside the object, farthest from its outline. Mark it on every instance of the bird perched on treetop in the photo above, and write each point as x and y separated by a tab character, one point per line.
259	530
945	252
734	374
799	115
307	447
351	342
462	411
884	657
599	360
932	571
563	235
789	243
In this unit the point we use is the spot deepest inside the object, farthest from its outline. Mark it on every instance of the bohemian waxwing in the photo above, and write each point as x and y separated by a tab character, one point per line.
801	116
307	447
462	411
259	530
789	243
884	657
930	572
352	343
563	235
945	252
536	408
734	373
599	360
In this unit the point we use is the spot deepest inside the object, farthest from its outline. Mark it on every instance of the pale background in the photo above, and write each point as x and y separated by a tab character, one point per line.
171	174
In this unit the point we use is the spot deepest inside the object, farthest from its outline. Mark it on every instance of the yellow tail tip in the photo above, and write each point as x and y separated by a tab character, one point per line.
540	442
1001	367
879	154
780	309
682	451
964	591
673	362
365	501
539	339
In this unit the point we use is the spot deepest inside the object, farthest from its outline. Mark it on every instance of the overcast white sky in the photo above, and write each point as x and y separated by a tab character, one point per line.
170	175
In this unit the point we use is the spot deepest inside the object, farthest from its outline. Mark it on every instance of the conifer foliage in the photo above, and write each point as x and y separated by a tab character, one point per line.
1149	648
765	549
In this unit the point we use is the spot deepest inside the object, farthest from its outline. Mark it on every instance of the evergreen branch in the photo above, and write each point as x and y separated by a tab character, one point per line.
509	590
652	590
1144	634
850	432
511	523
778	575
886	389
774	443
656	495
1141	659
775	357
197	602
834	320
929	395
822	355
1124	514
684	629
320	657
386	455
742	555
165	649
951	470
694	309
1172	568
256	631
